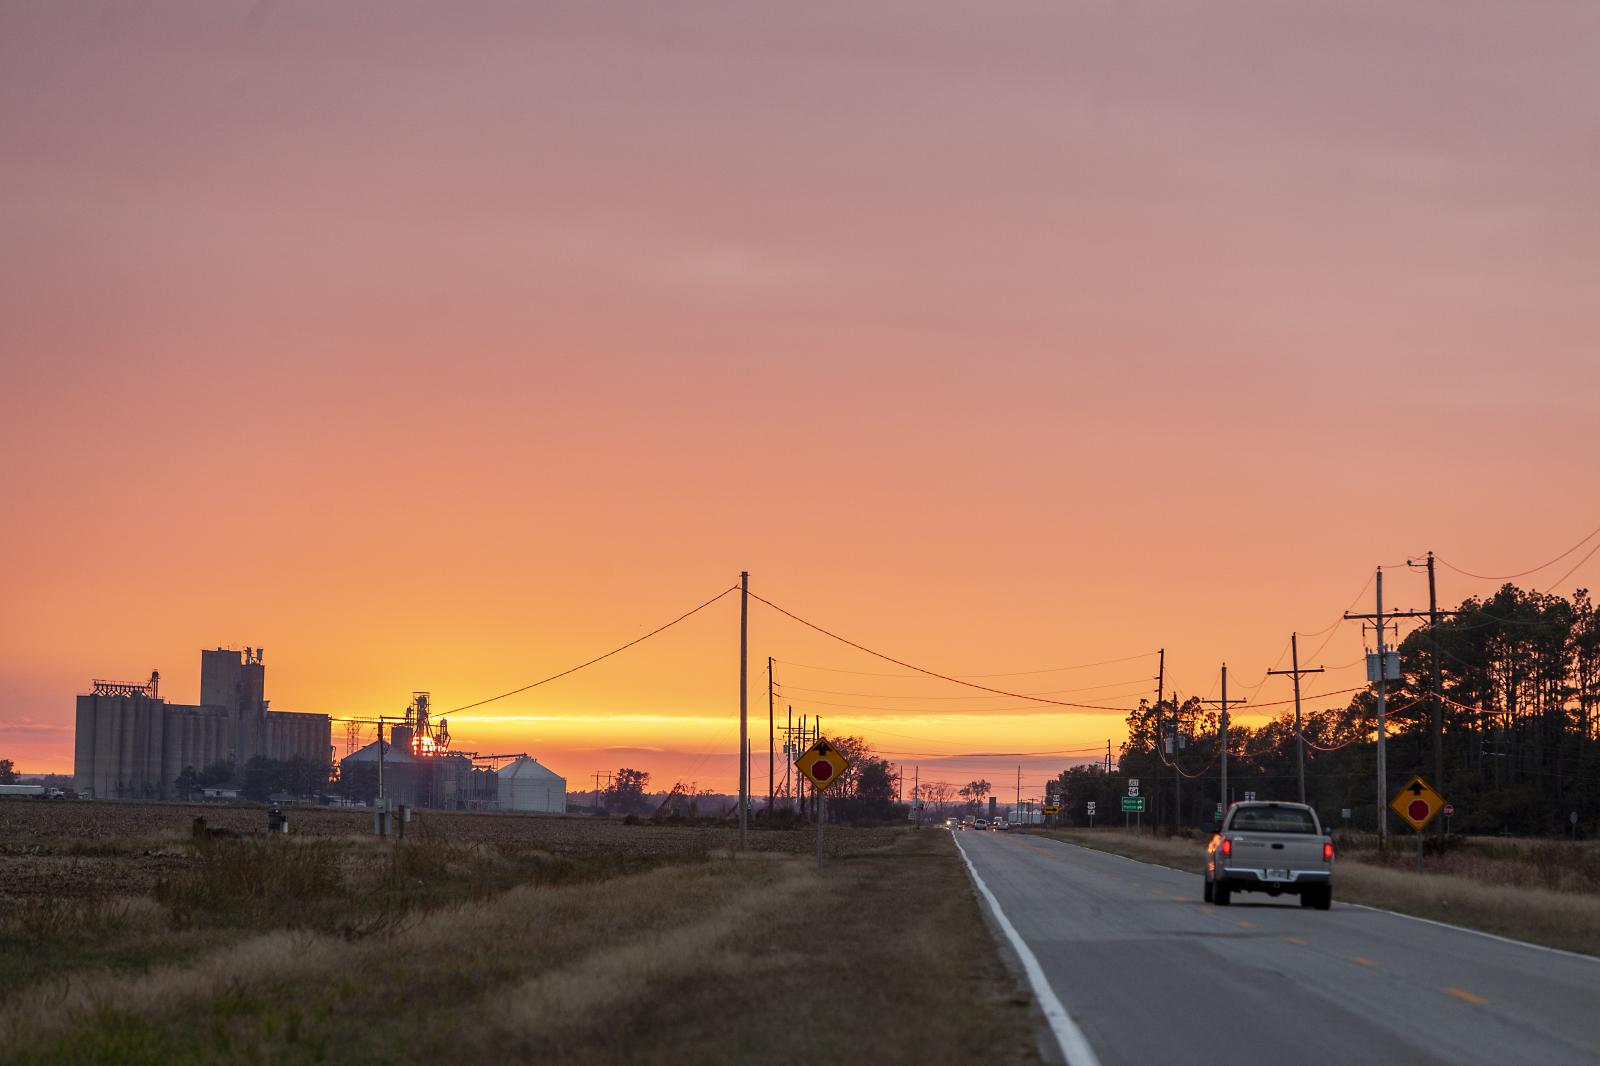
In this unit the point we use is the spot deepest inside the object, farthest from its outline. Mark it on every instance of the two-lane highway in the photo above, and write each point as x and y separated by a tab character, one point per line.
1151	974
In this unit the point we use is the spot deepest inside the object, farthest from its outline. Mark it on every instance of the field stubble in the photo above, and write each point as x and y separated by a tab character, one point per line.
582	940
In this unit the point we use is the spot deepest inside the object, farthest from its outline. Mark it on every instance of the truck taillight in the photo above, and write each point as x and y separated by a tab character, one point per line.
1327	851
1227	847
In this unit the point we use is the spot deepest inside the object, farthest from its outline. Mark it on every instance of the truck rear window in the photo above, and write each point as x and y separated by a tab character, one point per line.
1273	820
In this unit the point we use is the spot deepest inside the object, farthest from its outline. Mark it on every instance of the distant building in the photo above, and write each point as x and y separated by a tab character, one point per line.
132	744
421	778
525	785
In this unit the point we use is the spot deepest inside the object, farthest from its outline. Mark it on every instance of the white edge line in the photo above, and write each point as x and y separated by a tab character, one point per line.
1363	906
1074	1045
1478	932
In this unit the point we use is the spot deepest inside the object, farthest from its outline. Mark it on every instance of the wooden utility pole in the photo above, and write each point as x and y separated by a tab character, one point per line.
1161	684
1381	622
1438	707
1223	729
772	766
1299	729
744	704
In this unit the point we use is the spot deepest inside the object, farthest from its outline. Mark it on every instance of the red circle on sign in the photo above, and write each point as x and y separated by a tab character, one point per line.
822	770
1418	809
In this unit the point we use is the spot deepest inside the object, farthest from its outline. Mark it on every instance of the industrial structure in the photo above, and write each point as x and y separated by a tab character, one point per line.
414	766
132	744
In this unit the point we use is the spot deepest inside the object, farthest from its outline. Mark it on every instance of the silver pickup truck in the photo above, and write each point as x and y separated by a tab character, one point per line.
1272	848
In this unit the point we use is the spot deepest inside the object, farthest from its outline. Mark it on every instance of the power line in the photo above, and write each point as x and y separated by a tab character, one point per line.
972	684
1014	673
892	696
809	701
1535	570
597	658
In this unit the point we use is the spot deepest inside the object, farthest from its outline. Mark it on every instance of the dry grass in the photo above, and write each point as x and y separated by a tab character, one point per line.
444	947
1495	887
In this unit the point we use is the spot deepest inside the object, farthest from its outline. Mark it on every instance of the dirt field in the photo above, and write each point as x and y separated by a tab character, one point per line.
124	939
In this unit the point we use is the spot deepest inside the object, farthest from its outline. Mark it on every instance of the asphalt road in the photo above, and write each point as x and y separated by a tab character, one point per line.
1151	974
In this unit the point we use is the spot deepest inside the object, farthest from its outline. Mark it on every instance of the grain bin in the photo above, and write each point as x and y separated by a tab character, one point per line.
524	785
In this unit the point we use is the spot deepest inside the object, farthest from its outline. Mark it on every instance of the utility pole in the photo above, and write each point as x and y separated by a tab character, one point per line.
1299	730
1381	621
1438	708
1161	684
744	701
1223	702
1177	772
788	759
772	766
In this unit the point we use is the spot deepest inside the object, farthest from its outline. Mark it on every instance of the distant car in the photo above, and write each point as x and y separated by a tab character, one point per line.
981	823
998	824
1269	847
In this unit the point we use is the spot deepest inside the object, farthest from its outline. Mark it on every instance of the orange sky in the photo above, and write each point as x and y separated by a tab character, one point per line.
444	349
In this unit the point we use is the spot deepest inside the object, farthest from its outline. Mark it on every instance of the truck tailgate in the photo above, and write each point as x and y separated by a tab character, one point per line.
1276	851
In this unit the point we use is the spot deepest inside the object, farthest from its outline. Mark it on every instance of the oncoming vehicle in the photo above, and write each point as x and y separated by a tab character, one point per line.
1274	848
998	825
981	823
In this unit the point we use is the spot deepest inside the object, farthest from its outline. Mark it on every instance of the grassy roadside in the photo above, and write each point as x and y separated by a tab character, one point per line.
1558	919
719	958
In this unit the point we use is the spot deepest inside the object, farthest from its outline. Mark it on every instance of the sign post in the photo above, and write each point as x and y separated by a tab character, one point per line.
1417	804
1091	814
822	765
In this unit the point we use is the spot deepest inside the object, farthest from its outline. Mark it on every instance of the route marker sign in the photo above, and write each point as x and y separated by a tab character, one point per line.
822	764
1132	804
1091	806
1133	786
1417	803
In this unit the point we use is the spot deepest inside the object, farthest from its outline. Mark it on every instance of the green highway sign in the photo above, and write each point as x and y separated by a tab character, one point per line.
1132	804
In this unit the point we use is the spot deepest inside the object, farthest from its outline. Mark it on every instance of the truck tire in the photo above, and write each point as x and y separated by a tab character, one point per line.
1324	898
1220	894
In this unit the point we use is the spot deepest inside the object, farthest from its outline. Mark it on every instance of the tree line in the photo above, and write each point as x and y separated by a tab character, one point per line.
1519	677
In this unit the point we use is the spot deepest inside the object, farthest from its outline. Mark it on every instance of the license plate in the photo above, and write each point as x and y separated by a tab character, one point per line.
1277	875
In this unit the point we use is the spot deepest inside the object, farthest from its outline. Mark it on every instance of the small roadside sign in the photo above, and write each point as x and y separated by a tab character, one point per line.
1052	809
1132	804
822	764
1417	803
1344	812
1091	806
1449	809
1249	797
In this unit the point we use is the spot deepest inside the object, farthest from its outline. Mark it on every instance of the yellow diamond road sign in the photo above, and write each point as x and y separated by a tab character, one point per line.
822	764
1417	803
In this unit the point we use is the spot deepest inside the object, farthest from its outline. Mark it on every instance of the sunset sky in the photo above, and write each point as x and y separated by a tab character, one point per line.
447	346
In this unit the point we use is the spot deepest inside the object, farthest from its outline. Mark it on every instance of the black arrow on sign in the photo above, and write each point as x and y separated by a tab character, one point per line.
1416	787
822	747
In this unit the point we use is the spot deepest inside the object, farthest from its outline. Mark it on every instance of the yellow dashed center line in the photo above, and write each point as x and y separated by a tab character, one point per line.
1362	960
1468	996
1245	925
1294	940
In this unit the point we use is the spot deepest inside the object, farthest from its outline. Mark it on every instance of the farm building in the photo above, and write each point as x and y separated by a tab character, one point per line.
524	785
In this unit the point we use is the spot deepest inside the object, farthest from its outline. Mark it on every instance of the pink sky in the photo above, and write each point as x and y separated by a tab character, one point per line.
444	347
